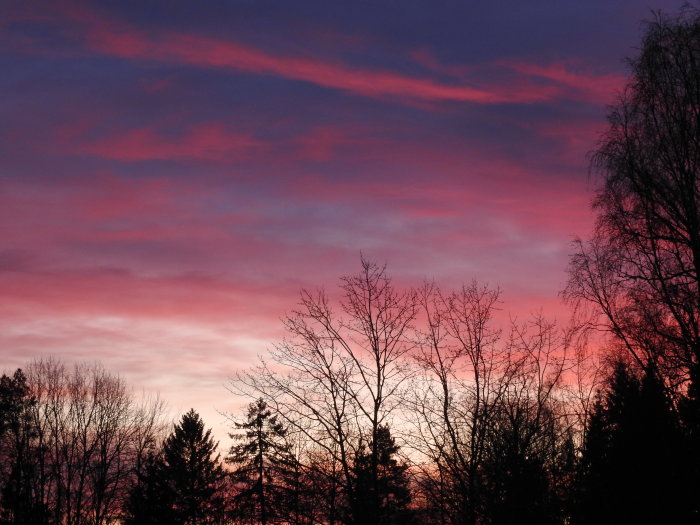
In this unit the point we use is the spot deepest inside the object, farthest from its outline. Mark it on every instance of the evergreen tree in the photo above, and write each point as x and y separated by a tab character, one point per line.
633	465
689	410
266	475
151	500
195	474
526	451
383	500
183	484
593	499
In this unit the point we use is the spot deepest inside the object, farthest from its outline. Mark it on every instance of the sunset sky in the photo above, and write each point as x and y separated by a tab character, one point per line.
173	173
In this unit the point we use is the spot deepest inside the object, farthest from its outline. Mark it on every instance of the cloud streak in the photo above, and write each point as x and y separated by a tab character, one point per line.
119	39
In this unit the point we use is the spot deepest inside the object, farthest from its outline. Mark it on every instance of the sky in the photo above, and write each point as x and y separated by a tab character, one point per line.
172	174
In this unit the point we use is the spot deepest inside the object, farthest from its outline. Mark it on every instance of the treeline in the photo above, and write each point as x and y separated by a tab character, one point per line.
72	441
485	420
388	406
495	425
400	408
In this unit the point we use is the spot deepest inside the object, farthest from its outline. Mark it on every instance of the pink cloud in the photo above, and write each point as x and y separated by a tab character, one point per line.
119	39
181	336
203	51
462	183
597	88
207	140
569	79
117	293
33	214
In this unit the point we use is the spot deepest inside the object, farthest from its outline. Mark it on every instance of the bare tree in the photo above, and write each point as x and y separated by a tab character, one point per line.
435	368
479	391
640	269
461	361
530	440
19	501
89	436
337	376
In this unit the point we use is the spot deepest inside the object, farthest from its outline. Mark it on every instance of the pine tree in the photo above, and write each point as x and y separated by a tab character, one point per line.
593	499
384	500
264	469
632	463
182	485
690	416
151	500
525	449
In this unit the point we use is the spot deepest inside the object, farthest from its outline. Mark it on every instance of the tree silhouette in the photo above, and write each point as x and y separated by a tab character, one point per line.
81	438
389	491
20	502
528	452
487	413
13	393
641	269
151	500
265	474
338	374
633	463
183	483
